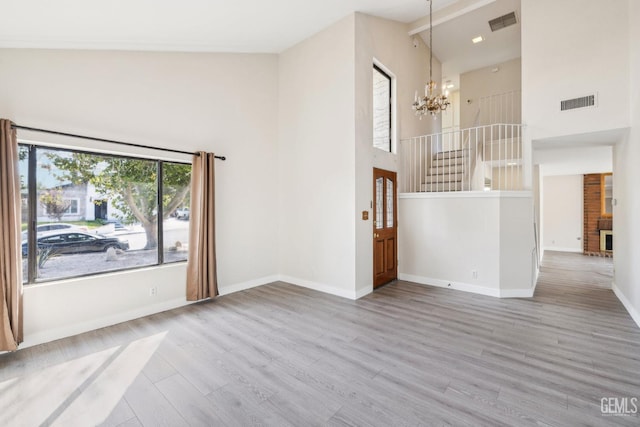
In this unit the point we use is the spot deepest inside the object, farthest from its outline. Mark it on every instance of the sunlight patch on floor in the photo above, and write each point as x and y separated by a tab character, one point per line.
83	391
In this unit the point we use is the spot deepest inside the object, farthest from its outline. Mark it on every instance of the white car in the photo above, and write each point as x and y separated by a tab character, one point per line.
182	213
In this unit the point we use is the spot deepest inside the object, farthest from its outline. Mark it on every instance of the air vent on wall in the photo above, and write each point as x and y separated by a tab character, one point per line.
503	21
582	102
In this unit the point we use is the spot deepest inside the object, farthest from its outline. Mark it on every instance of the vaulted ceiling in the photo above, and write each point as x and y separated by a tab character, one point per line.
246	25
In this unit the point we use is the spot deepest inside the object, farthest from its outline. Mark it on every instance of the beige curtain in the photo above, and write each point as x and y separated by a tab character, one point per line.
202	281
10	253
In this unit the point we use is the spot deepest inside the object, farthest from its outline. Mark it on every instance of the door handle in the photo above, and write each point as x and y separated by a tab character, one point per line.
375	235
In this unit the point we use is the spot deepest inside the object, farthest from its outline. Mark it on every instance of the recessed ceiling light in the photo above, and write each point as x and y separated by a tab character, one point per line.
477	39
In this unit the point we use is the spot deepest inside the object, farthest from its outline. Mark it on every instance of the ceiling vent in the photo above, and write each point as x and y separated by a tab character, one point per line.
503	21
583	102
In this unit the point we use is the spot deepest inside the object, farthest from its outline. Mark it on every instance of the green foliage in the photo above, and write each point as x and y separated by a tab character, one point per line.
44	254
23	152
129	184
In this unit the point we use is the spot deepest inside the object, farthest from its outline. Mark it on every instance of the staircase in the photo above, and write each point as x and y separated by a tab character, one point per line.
447	171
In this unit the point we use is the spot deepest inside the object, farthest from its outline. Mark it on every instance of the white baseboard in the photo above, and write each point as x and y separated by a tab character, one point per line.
243	286
93	324
316	286
323	287
363	292
560	249
459	286
468	287
517	293
635	315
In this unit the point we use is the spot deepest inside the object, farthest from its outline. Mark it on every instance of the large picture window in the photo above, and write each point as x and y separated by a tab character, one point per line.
92	213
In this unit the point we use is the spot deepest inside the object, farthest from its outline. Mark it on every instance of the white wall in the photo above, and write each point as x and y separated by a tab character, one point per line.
562	213
564	57
386	42
174	100
577	160
517	256
451	117
316	161
454	235
573	48
625	190
484	82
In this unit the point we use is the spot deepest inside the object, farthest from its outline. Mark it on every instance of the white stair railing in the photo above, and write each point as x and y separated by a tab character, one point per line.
499	108
483	158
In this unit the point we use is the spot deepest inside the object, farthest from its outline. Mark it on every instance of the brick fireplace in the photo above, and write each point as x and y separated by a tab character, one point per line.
596	225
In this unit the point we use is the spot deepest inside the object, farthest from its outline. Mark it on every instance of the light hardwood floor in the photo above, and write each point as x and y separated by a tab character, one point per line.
405	355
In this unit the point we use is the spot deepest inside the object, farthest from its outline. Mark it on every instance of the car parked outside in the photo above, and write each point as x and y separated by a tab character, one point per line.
182	213
74	242
53	226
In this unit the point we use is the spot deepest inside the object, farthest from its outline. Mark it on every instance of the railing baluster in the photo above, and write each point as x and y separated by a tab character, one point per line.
463	157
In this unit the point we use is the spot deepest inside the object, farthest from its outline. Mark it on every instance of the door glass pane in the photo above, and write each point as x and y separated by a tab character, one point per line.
379	203
390	198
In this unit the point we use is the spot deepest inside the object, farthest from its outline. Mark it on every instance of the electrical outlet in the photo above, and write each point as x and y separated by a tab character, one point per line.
474	274
153	291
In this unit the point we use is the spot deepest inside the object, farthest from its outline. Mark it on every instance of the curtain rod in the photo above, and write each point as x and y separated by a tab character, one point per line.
110	141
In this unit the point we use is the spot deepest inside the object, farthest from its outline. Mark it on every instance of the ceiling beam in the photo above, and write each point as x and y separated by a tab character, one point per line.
447	14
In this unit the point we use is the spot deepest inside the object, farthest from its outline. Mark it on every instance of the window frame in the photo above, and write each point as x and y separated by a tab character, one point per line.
603	195
70	211
377	66
32	218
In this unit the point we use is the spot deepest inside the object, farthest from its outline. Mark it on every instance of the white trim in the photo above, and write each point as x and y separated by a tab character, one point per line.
446	18
321	287
635	315
394	106
466	194
93	324
517	293
459	286
243	286
468	287
363	292
560	249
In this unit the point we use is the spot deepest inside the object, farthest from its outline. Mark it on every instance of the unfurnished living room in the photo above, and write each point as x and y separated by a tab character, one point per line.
365	212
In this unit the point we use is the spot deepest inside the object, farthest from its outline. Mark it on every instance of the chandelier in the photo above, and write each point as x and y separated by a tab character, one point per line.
430	103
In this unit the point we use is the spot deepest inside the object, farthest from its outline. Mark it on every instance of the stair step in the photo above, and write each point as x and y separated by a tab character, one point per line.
452	177
450	154
442	187
447	162
446	170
